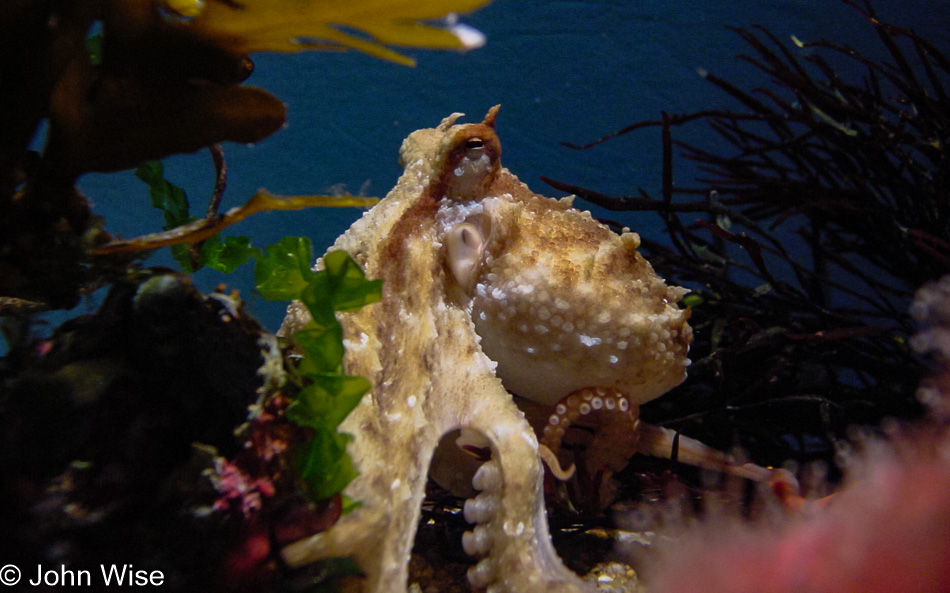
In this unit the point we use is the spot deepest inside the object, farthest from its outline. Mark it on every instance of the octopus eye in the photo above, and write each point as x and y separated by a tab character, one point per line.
465	244
470	166
474	148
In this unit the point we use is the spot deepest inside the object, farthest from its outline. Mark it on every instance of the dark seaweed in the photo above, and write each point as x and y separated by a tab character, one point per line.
804	245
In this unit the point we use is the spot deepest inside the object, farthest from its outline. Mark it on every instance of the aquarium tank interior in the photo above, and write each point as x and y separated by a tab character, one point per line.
171	171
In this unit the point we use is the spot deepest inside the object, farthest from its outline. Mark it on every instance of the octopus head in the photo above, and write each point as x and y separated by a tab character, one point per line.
559	301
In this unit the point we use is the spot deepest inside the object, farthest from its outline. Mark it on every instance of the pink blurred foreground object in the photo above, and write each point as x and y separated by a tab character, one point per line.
887	530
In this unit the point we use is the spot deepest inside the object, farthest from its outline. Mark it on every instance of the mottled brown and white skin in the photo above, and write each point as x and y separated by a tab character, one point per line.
488	289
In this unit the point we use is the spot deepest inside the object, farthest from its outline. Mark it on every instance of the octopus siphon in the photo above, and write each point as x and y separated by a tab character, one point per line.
491	290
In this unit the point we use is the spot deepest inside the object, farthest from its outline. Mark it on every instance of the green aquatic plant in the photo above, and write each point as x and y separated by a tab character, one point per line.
283	272
824	206
224	254
197	242
328	393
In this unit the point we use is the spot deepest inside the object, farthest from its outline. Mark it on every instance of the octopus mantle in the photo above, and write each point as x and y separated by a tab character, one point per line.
485	282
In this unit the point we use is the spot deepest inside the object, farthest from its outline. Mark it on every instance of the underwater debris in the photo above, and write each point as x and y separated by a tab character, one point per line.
805	244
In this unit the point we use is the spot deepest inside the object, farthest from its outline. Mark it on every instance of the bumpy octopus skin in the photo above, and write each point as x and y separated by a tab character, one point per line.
488	288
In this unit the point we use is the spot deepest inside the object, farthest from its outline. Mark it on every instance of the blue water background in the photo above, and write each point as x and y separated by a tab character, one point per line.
562	71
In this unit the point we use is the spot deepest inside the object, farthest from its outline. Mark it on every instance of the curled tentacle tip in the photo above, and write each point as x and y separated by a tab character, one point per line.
551	460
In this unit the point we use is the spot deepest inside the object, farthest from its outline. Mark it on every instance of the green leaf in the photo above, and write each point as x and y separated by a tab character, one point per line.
348	391
349	287
340	286
181	253
166	196
328	400
323	465
284	272
349	505
318	298
228	255
322	346
224	256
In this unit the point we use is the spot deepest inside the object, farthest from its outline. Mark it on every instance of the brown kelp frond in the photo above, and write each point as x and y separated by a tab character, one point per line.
122	83
828	208
203	228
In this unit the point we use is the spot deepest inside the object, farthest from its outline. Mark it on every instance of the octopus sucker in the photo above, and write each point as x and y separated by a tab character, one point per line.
489	290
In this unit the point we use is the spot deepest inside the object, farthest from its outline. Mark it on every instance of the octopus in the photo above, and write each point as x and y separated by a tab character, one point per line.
489	290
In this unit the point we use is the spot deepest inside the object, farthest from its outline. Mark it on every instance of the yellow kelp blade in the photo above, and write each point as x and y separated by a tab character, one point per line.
291	25
205	228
